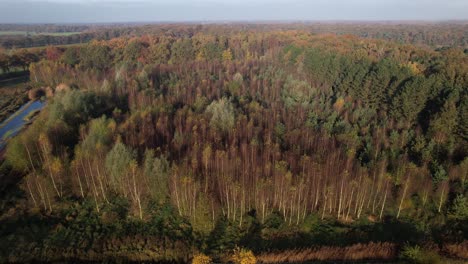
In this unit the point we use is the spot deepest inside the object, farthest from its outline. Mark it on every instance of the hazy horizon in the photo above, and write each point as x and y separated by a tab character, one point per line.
145	11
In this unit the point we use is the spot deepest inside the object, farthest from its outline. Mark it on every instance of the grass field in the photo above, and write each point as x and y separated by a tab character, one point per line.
25	33
9	33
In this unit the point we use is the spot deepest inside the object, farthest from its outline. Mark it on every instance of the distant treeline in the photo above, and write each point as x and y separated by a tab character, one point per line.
430	34
45	28
19	41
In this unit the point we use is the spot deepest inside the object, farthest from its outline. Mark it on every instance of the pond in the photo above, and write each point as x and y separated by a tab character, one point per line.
13	125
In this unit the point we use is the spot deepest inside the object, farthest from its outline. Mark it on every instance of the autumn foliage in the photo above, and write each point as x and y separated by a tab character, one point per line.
358	252
235	137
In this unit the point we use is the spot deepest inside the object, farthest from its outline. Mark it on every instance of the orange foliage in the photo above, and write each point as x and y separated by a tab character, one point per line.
382	251
457	250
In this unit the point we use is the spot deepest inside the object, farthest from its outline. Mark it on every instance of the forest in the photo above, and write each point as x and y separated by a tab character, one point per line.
241	143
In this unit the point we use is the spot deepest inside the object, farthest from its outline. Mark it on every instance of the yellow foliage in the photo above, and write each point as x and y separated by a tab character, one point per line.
243	256
112	125
200	56
227	55
56	166
287	56
414	67
249	56
201	258
339	104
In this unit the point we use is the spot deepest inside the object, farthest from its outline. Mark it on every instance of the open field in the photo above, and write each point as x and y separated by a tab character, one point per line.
26	33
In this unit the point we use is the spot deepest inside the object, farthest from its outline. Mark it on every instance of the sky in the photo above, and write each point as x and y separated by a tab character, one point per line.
102	11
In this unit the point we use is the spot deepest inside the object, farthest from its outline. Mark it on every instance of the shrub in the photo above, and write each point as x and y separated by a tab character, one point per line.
460	208
274	220
243	256
224	237
201	258
414	254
